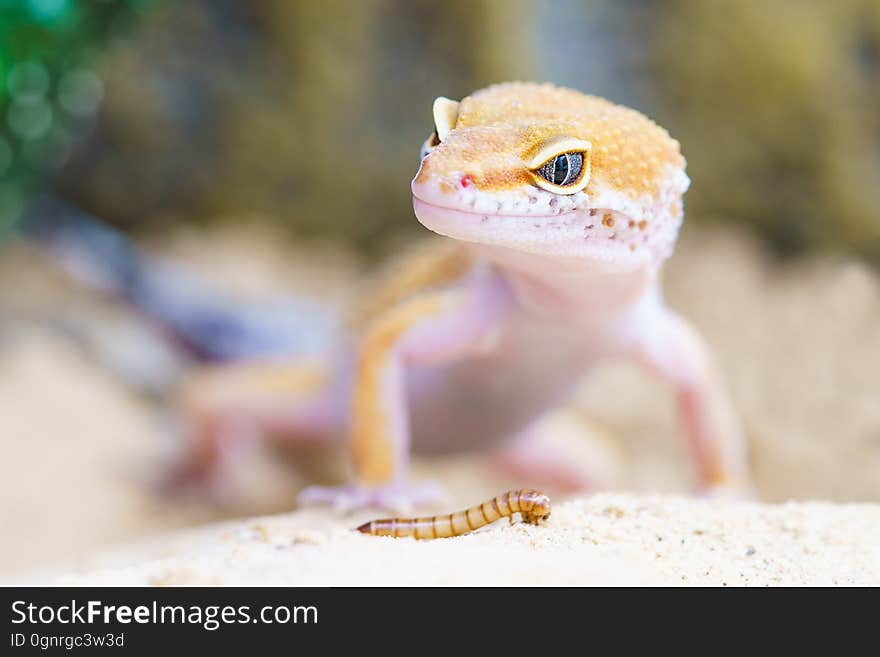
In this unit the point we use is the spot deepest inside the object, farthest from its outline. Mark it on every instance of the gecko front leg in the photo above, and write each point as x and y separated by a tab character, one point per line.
429	329
668	346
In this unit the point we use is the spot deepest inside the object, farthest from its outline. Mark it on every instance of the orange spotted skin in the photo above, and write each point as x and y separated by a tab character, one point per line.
532	505
498	128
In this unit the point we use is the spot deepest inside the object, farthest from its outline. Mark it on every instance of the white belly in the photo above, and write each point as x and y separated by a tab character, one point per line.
530	369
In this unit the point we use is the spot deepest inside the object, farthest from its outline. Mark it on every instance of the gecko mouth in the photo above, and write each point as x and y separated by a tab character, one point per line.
597	233
417	202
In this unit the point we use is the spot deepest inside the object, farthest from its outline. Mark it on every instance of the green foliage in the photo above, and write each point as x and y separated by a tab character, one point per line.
50	86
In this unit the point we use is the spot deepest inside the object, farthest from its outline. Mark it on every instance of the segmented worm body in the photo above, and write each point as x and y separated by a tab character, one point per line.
532	505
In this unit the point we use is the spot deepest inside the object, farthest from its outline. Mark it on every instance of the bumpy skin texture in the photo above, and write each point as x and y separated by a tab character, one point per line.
635	185
476	341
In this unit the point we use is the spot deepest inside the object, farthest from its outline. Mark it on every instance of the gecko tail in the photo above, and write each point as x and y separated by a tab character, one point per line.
89	251
207	323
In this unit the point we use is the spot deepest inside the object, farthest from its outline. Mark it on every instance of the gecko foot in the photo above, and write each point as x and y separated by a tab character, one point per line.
398	497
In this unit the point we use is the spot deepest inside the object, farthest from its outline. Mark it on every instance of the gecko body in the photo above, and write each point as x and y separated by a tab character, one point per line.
558	210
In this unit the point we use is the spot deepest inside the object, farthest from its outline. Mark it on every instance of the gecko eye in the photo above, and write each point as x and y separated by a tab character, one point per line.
563	166
563	170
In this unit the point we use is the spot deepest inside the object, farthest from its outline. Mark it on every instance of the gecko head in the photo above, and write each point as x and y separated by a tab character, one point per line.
551	171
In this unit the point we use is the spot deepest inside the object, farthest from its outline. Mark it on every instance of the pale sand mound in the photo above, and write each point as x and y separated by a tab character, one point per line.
598	540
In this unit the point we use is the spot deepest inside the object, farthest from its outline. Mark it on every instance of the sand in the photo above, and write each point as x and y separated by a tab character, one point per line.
604	539
798	342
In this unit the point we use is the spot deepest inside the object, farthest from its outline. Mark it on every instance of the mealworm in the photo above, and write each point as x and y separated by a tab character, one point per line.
532	505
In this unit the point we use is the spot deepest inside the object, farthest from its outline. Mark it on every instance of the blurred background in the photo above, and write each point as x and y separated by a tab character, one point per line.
267	147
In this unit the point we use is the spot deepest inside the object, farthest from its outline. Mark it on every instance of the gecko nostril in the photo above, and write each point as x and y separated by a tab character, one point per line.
466	180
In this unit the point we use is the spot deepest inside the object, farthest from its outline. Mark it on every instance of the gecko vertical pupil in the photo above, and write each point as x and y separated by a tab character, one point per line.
563	170
560	169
